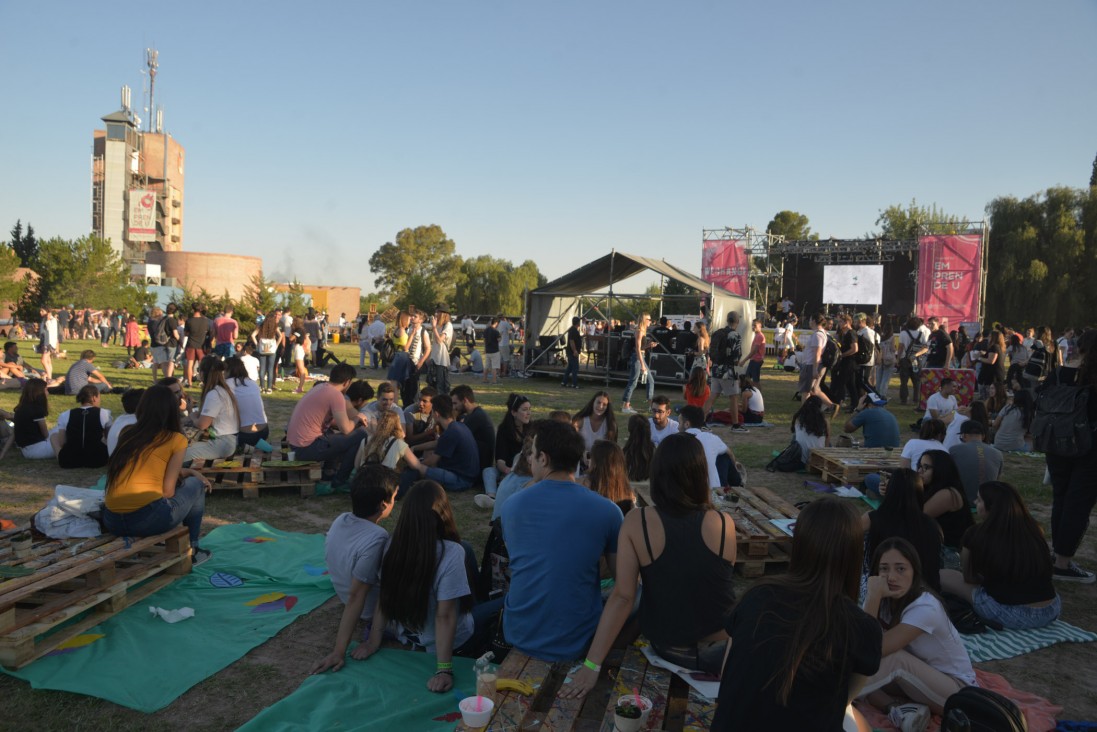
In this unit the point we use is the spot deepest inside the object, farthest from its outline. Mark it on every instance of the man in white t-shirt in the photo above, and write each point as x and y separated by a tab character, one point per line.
866	370
660	422
942	405
692	423
810	368
353	550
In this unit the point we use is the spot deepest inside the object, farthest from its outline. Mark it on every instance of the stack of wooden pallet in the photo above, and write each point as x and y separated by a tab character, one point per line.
62	588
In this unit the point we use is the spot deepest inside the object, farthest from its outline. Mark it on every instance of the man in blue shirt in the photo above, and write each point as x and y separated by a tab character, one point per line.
881	427
455	462
556	531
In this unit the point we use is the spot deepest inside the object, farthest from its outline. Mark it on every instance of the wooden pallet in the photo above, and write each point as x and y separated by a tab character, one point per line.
760	544
86	581
254	474
849	466
674	705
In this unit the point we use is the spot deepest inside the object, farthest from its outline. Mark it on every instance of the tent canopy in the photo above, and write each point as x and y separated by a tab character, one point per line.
551	307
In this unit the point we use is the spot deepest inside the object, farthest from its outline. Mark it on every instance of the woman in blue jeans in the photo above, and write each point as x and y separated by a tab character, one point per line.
637	364
148	489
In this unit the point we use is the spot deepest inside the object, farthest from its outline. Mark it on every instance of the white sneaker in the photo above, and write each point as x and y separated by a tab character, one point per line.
910	717
483	500
628	410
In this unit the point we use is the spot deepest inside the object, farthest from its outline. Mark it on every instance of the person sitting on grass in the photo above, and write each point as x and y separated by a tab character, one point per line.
810	427
607	475
752	408
386	446
900	515
944	496
426	590
930	437
722	470
84	372
32	432
319	428
80	437
455	462
130	399
596	421
696	390
353	549
218	419
141	358
638	448
880	426
249	400
148	489
684	552
924	661
1006	569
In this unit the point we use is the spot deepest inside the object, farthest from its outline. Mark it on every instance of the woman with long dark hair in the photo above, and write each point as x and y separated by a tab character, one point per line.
943	491
924	661
752	407
596	421
249	400
800	647
993	360
696	389
270	339
684	551
32	432
80	438
976	411
638	448
810	427
425	586
1074	479
508	440
1006	568
900	514
608	475
148	489
219	416
1013	422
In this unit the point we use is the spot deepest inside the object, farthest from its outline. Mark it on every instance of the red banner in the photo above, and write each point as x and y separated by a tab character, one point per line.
949	273
724	263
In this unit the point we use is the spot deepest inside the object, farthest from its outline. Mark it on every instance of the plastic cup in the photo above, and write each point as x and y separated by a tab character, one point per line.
476	719
627	724
291	456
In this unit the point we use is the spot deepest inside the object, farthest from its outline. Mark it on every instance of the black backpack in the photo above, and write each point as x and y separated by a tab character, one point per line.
160	332
832	351
972	709
1061	424
1036	368
865	349
726	348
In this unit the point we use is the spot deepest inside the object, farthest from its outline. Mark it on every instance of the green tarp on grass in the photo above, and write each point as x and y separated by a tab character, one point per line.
387	691
259	581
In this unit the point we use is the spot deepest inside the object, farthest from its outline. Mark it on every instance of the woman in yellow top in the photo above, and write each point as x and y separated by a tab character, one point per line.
148	489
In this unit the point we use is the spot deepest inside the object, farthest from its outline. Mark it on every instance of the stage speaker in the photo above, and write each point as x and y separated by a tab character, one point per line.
668	366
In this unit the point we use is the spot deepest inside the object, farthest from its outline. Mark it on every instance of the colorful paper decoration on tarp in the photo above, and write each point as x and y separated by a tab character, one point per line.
315	571
224	579
271	602
74	643
258	539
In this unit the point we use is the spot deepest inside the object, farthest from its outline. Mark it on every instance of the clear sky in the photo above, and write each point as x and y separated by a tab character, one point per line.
550	131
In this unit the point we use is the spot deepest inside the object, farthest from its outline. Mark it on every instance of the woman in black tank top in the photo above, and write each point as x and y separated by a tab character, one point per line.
685	551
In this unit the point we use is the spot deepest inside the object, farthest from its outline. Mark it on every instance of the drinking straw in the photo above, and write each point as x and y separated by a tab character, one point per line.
636	693
479	703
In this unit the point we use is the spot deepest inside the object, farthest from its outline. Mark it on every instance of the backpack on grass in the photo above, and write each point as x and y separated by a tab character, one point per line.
972	709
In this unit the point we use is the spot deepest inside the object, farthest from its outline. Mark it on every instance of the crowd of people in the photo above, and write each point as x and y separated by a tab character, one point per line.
859	614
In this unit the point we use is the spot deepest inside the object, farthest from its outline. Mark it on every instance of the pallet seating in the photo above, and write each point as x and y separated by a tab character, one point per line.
256	473
850	465
81	580
675	705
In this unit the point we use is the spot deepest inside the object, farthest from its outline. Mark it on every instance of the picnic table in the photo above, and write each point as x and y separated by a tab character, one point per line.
675	705
850	465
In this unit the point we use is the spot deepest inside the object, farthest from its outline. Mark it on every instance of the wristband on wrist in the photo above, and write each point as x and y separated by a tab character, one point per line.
592	665
442	665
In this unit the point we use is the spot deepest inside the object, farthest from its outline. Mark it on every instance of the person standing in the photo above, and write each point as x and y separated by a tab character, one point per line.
506	330
441	342
573	347
726	351
757	356
638	346
225	330
912	350
195	330
491	352
163	332
940	353
418	350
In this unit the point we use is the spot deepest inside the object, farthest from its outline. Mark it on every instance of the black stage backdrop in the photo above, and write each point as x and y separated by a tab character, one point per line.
803	283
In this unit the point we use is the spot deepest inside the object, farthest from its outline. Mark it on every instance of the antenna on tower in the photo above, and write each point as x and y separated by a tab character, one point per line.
151	60
125	98
160	120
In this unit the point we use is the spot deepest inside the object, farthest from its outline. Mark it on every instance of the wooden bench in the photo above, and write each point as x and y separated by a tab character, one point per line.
675	706
850	465
759	543
91	578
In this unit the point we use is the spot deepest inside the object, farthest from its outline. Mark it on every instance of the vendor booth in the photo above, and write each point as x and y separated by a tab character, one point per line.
549	310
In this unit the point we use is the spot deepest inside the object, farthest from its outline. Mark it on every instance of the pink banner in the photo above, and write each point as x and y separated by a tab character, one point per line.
724	263
949	269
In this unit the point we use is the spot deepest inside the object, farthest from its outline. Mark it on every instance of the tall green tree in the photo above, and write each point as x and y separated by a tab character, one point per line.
896	222
12	287
293	300
792	225
1093	173
490	285
424	252
24	245
1041	268
260	294
84	272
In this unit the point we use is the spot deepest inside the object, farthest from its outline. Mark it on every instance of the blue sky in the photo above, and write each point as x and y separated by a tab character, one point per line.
549	131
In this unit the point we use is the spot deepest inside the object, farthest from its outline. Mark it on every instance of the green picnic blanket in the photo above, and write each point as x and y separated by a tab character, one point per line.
994	645
258	581
387	691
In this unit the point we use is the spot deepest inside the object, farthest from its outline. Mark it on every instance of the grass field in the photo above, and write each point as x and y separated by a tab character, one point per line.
274	670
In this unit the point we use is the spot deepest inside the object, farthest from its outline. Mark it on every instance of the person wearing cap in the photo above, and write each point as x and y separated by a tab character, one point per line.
976	461
880	426
441	334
